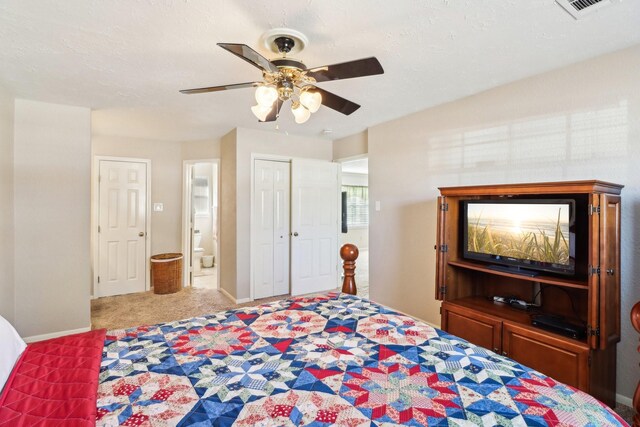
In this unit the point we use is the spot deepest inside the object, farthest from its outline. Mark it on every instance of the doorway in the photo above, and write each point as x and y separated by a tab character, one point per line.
355	230
120	240
200	223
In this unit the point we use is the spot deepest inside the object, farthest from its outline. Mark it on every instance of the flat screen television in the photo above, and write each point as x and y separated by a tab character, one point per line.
535	235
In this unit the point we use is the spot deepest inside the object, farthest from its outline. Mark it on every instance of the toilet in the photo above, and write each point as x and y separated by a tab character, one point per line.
197	252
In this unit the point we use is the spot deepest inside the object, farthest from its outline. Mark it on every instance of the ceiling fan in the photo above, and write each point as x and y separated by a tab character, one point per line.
287	79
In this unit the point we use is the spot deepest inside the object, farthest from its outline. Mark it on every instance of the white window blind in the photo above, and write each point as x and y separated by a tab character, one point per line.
357	205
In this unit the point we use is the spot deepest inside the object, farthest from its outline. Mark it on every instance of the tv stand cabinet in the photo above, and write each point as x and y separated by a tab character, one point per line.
591	297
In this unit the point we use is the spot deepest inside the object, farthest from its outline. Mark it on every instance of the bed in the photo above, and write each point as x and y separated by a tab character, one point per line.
333	359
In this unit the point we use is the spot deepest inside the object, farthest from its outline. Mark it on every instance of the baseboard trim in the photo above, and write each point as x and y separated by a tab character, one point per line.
43	337
228	295
624	400
232	298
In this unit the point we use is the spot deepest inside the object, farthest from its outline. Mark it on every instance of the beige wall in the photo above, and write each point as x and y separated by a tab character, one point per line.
227	233
196	150
52	169
578	122
350	146
7	295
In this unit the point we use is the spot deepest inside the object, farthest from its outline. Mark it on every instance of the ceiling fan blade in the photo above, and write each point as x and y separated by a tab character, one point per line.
336	102
219	88
347	70
275	112
251	56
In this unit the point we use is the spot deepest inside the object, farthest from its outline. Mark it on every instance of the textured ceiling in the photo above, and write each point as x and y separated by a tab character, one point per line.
127	59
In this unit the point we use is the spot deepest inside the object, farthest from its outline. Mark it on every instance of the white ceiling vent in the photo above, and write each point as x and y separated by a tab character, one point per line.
581	8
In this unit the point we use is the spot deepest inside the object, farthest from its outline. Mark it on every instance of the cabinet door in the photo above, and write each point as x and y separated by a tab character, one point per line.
609	293
556	357
441	254
477	328
593	320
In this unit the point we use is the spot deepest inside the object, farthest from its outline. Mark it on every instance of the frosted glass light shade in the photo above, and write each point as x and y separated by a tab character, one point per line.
266	95
300	113
311	100
261	112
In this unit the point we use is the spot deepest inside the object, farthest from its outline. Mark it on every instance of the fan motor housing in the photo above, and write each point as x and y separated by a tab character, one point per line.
285	44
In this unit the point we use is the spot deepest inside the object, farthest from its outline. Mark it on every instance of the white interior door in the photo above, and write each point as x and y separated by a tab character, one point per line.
314	223
271	228
122	227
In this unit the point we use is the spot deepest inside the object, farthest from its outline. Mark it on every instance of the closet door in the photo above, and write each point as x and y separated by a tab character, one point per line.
314	226
271	234
281	229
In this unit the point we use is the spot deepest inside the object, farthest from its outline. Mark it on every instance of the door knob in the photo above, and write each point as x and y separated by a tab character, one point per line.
141	234
295	234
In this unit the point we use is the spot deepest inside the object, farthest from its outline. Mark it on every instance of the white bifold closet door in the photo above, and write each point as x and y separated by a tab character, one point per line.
271	222
314	226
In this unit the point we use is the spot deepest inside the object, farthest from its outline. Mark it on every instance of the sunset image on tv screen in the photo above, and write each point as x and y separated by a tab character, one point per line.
526	231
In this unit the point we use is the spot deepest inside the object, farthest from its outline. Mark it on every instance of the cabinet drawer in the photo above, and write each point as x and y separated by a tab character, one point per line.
474	327
560	359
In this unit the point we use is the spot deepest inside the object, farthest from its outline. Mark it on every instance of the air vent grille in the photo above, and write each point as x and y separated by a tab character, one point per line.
581	4
580	8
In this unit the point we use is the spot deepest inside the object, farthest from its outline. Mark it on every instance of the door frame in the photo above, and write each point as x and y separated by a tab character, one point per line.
187	165
95	216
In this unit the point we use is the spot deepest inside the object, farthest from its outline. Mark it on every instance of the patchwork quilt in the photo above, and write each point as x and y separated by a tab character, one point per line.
331	360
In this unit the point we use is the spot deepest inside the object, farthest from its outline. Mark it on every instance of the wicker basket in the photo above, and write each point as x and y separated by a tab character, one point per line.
166	273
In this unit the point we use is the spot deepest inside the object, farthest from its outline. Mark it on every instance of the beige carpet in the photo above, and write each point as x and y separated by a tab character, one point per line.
625	412
147	308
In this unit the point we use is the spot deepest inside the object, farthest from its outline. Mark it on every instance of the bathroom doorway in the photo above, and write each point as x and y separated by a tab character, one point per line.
200	223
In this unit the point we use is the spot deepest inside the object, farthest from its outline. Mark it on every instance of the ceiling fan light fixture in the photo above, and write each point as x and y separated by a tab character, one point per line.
261	112
266	95
311	100
300	113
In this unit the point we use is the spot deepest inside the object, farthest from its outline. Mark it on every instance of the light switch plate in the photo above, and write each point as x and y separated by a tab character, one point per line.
158	207
377	205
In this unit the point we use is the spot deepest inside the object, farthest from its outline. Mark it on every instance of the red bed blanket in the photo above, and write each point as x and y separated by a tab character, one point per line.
55	383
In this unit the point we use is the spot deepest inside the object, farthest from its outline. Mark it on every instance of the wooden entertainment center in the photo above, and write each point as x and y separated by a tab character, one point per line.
590	297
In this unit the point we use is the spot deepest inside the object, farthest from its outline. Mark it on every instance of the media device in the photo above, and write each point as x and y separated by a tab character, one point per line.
514	302
523	236
559	325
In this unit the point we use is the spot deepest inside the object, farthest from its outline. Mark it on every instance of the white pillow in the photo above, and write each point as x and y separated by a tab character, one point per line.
11	347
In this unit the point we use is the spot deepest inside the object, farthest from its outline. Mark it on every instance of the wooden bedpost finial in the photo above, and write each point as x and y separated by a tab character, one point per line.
635	321
349	254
